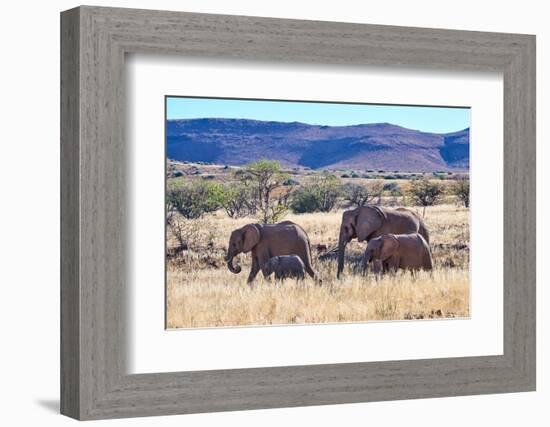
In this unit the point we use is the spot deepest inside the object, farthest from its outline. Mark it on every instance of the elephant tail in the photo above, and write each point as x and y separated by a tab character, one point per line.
423	231
308	249
309	259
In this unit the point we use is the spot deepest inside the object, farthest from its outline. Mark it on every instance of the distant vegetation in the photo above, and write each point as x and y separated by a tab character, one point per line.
264	190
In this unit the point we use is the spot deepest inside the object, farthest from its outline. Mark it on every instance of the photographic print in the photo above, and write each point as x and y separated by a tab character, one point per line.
298	212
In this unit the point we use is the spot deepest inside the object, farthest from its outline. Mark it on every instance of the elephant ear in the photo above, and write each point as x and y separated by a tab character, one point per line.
251	237
389	246
368	220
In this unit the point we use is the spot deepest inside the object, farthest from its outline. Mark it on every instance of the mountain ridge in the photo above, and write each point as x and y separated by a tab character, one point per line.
385	146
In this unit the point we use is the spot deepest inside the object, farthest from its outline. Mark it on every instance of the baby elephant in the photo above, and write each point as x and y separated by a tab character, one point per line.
399	251
285	266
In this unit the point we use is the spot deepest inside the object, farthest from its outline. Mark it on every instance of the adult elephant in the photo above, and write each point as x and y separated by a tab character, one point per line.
264	241
368	222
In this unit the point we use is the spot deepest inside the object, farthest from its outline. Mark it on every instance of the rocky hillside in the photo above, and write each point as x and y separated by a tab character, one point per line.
369	146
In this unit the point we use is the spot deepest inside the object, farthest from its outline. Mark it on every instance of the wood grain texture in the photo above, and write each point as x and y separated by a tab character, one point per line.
94	232
70	292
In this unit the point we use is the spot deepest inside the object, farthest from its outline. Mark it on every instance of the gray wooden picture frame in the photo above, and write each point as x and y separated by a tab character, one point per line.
94	382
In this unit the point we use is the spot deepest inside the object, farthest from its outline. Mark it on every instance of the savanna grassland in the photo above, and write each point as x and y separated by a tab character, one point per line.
202	292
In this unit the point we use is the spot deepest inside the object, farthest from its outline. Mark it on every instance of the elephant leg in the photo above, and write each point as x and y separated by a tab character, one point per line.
393	264
310	271
378	266
262	258
364	265
253	271
265	272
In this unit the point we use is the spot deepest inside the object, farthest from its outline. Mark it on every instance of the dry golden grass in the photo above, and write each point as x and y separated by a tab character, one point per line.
201	292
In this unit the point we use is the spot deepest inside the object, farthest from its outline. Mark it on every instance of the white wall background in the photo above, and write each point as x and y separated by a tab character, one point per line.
29	224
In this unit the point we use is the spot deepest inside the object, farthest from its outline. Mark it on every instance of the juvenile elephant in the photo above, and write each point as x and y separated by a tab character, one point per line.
399	251
265	241
285	267
368	222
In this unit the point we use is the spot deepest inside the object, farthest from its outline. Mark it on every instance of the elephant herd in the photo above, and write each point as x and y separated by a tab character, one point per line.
397	239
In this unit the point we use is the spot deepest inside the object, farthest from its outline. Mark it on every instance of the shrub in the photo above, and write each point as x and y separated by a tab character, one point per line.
237	200
186	232
393	188
291	181
461	189
424	192
304	200
318	197
362	194
194	200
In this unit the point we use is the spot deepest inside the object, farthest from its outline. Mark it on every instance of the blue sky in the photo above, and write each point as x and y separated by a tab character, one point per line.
427	119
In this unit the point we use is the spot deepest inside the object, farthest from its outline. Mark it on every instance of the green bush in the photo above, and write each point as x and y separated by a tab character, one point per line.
238	200
391	187
320	196
290	182
304	200
195	199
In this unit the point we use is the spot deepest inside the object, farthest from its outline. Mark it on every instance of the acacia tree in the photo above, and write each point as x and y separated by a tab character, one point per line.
461	189
266	178
424	192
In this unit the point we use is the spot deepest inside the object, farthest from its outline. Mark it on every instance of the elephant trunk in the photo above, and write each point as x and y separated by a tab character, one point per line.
341	252
233	269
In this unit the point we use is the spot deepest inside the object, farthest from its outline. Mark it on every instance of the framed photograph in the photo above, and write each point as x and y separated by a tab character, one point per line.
262	213
292	183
